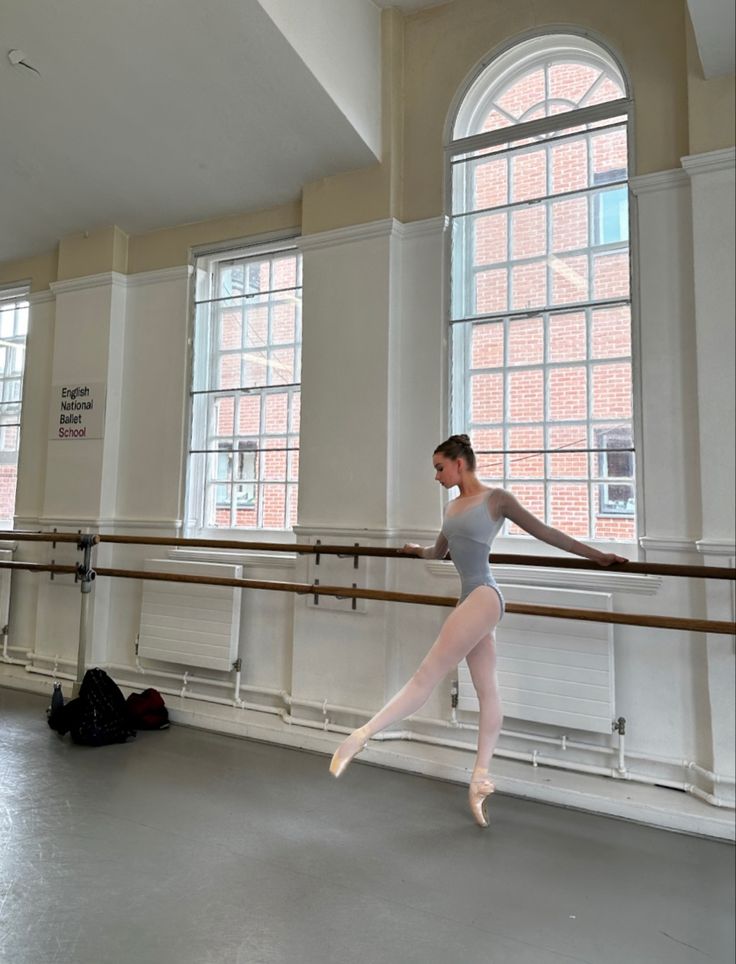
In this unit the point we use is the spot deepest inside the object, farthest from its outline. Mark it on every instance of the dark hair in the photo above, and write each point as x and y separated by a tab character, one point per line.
457	447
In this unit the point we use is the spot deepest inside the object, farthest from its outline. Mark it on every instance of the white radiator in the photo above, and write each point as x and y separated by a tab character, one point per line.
190	624
555	671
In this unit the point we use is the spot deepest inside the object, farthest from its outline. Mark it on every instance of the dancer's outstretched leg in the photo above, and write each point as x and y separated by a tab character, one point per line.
482	665
462	630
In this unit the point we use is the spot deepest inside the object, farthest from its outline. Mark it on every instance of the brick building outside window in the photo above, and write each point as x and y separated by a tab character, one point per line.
540	307
245	401
13	332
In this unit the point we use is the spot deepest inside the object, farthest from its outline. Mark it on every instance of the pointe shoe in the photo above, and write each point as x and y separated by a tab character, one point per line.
348	749
481	787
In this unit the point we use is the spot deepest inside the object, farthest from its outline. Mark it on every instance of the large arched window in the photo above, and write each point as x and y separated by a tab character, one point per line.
540	306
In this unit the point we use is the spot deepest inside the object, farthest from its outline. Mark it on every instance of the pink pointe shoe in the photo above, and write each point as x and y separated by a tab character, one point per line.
357	741
481	787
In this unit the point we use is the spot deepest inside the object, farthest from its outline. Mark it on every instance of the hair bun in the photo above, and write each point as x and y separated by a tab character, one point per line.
464	439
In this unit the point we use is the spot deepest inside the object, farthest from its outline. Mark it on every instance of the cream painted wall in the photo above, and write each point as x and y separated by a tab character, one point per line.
445	45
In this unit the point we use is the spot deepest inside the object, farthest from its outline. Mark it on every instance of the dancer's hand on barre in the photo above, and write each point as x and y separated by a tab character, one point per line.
608	559
412	549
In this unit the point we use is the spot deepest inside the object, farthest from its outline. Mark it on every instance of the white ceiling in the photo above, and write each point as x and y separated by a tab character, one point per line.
149	114
714	23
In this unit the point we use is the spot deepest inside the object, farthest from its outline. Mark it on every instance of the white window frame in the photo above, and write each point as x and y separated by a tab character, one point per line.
12	378
472	102
203	361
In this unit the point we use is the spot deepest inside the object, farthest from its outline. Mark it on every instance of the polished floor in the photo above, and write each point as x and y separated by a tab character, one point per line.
186	847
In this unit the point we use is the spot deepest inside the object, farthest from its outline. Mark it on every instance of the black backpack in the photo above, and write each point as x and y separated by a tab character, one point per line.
99	714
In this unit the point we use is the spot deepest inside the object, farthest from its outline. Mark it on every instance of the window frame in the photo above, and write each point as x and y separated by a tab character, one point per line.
195	471
550	42
18	296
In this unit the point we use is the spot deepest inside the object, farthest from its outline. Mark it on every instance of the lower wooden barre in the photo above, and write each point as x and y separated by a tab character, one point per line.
40	567
721	627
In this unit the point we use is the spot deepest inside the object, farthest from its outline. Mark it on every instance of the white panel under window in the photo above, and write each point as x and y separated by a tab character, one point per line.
190	624
554	671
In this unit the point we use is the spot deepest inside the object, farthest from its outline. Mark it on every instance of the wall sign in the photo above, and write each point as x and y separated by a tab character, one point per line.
78	411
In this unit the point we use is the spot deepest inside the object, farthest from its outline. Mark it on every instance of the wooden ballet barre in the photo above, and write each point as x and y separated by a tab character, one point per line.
21	536
41	567
501	559
559	612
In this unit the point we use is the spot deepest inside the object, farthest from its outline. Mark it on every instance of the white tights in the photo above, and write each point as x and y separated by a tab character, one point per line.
467	633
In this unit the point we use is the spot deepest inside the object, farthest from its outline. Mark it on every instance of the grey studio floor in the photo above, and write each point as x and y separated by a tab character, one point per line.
186	847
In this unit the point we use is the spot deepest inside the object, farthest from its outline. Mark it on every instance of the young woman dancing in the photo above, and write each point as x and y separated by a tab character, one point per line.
471	521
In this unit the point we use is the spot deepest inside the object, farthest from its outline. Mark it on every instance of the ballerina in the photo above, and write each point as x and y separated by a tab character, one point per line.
471	522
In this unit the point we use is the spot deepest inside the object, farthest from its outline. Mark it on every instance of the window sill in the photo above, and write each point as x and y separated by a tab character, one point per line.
237	557
599	580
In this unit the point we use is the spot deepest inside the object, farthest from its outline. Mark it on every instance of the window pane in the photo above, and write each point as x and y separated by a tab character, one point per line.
569	166
491	291
611	332
570	224
569	508
528	232
526	341
566	462
568	394
611	386
521	463
571	81
611	275
529	175
487	345
486	392
526	396
569	278
490	239
524	94
529	284
567	337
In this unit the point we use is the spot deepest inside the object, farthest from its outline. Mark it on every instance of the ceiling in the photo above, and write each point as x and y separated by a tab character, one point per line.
150	114
714	24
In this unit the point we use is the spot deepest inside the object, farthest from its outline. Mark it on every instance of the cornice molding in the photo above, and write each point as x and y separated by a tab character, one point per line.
105	279
429	227
161	276
716	547
710	162
355	232
41	297
659	181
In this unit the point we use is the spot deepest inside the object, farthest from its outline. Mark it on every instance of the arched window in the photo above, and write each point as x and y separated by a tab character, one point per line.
540	306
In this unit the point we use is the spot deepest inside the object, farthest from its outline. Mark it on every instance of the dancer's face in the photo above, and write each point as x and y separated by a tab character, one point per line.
447	471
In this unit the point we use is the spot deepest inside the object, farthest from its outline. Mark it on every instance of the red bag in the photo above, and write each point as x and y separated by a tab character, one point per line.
147	710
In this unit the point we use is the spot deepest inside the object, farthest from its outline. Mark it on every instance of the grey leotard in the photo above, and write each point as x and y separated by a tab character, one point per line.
469	531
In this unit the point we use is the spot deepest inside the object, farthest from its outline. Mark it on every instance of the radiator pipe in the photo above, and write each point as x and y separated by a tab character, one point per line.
327	726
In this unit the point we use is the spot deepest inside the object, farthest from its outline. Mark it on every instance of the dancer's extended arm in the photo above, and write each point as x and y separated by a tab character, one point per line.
508	505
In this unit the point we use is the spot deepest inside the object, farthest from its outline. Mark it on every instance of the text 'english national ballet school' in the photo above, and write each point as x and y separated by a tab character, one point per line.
78	411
